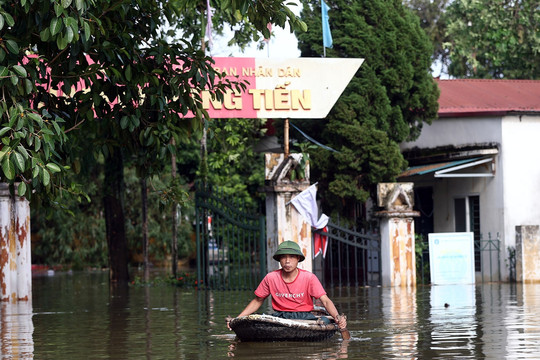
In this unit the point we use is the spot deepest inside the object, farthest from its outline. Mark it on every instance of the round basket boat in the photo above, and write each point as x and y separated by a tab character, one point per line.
270	328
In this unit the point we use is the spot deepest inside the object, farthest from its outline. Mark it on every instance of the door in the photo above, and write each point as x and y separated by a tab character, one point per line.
467	219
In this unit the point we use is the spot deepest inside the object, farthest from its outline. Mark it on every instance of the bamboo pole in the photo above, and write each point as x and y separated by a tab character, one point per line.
286	137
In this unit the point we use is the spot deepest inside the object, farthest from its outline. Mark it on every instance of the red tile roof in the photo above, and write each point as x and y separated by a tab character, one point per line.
477	97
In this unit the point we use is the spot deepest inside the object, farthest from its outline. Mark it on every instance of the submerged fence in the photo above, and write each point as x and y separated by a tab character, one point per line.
231	251
352	257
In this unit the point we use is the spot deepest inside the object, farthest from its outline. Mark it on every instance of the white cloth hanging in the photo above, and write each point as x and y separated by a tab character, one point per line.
306	204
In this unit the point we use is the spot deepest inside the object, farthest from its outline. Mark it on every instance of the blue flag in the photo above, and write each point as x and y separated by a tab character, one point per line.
327	36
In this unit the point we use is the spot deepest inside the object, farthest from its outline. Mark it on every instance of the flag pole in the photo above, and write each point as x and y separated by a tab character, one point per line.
326	35
322	20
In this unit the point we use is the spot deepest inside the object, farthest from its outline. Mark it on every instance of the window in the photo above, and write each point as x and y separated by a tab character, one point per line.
467	219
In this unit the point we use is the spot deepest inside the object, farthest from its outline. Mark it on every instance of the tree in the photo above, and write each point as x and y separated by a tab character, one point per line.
127	90
387	102
232	161
494	39
432	20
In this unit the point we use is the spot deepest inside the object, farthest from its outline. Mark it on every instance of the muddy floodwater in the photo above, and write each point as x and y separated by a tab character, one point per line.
76	316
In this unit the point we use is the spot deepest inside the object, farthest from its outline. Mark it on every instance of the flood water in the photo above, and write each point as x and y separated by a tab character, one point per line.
76	316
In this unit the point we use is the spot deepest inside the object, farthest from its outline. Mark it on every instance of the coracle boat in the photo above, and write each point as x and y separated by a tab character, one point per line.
270	328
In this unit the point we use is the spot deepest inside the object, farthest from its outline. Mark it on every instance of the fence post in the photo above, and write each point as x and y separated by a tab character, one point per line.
398	266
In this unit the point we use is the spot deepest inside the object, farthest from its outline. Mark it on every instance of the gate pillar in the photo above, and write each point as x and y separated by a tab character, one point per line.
283	221
398	266
15	252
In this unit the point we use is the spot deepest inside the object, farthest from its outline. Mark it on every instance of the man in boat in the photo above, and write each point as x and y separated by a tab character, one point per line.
292	289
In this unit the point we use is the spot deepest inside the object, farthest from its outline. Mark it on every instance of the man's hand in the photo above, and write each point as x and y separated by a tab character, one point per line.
228	322
341	320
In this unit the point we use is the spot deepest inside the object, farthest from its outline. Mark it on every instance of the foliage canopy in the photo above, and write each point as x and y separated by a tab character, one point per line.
83	80
494	39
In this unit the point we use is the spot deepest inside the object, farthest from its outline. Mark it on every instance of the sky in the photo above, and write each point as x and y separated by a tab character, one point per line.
283	43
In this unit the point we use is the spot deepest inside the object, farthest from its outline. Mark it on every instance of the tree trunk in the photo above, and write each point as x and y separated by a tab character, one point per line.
144	201
174	240
114	218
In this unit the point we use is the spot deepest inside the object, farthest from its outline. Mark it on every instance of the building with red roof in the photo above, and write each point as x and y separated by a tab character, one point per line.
475	169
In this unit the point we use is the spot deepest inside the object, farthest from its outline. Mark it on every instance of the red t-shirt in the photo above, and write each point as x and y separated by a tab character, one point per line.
293	296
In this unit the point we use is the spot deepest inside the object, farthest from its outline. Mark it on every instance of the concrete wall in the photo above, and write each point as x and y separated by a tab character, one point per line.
457	131
521	173
528	254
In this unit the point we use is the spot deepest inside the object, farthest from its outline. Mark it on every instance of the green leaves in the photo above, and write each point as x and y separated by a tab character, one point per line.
489	39
28	146
12	46
6	18
56	26
8	168
97	59
21	71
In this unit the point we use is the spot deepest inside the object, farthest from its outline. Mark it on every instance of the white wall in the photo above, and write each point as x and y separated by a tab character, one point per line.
457	131
520	158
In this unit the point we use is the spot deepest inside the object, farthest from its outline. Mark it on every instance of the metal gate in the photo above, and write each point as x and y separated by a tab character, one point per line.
352	258
231	248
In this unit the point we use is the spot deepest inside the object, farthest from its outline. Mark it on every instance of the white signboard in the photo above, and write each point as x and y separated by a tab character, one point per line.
451	258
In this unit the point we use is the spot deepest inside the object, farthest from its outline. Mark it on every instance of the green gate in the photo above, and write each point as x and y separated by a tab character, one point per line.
231	248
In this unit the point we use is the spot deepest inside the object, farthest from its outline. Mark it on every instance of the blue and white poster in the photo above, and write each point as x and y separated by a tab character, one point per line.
451	258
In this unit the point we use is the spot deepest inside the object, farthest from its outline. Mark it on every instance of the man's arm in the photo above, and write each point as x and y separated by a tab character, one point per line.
331	308
253	306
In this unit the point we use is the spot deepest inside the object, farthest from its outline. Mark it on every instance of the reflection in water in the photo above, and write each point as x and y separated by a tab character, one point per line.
16	330
453	320
399	308
118	313
291	350
524	312
77	316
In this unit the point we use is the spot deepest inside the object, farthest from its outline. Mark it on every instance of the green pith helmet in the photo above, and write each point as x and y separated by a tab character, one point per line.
288	248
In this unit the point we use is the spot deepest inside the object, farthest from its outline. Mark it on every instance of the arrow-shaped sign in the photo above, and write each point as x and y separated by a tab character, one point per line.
293	88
